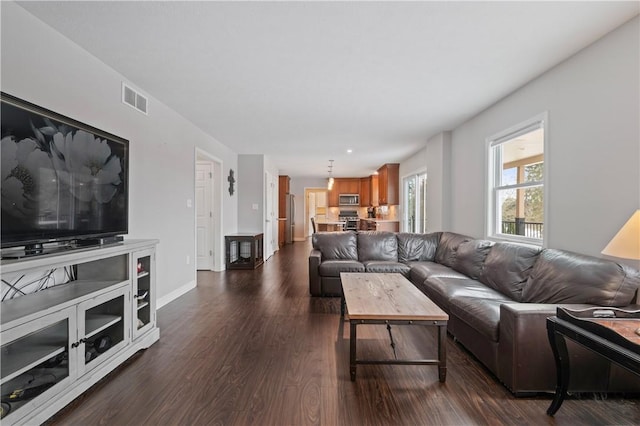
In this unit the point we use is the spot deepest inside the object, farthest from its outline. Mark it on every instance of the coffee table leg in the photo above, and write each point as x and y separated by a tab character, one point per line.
442	353
352	350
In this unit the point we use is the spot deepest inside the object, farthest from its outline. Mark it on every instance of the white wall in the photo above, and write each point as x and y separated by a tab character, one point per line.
45	68
250	179
439	182
594	144
435	158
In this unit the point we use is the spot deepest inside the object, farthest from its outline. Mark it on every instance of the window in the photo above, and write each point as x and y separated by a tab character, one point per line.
516	197
415	203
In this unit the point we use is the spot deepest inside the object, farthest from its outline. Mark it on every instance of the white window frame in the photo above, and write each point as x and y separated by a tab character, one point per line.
492	227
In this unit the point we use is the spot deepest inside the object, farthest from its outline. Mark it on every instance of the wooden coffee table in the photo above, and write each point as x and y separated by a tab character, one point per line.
390	299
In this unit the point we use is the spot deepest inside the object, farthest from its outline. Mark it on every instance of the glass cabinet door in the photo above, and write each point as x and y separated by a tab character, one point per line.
37	362
103	327
144	298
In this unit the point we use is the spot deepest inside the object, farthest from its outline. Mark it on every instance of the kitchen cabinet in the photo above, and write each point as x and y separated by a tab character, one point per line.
369	191
349	186
365	192
282	224
283	189
342	186
388	184
332	195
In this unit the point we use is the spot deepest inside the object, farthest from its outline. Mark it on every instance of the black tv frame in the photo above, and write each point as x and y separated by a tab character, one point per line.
36	246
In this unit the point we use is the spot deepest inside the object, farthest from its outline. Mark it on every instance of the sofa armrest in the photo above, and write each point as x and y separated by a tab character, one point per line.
525	359
315	258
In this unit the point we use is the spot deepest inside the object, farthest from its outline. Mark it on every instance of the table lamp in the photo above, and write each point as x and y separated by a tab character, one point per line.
626	243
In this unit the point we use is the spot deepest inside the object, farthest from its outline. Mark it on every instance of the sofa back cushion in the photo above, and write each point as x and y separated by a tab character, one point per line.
417	247
507	268
336	245
560	276
471	256
448	247
377	245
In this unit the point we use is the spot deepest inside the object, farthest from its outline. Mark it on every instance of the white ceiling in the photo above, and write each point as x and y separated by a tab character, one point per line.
303	81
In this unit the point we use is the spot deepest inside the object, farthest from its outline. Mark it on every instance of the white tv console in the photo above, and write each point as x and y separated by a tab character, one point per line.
58	342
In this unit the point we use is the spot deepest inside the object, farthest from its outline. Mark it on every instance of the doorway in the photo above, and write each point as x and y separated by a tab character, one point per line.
208	212
315	206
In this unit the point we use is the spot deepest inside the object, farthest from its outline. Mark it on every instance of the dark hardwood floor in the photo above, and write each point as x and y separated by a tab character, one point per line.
252	347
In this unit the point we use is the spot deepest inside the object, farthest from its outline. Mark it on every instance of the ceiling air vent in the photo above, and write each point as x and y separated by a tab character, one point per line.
134	99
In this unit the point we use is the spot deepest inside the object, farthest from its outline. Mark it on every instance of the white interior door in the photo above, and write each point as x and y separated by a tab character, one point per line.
268	216
204	215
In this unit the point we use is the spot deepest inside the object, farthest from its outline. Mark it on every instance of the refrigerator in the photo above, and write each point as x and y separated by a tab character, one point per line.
290	209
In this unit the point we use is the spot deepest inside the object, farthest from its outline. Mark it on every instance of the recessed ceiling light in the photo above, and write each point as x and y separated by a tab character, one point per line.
349	151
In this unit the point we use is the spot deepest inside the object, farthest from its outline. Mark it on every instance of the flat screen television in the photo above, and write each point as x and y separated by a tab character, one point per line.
61	180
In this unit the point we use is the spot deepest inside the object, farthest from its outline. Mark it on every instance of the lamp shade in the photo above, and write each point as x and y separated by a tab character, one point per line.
626	243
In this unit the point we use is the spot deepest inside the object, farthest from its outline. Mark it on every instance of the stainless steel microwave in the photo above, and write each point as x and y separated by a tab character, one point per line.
349	199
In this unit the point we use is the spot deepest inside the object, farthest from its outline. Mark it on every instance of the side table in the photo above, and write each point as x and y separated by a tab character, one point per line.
614	339
244	250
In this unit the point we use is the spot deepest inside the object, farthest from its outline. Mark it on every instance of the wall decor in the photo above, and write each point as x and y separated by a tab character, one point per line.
231	180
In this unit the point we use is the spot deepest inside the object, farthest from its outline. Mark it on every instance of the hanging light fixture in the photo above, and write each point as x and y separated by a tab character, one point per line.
330	182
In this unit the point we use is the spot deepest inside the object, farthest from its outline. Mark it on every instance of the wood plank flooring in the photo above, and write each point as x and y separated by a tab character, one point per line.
253	348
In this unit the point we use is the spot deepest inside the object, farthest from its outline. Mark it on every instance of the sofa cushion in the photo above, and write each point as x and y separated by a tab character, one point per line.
480	314
420	271
470	257
507	268
332	268
336	245
448	247
444	289
385	266
377	245
561	276
417	247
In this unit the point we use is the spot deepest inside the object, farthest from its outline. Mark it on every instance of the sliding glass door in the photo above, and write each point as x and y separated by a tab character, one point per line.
415	203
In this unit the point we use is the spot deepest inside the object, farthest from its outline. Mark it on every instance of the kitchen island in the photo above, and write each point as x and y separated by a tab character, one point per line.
371	224
323	225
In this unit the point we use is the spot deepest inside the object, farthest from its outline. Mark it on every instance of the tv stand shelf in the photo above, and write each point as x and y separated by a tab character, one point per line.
61	340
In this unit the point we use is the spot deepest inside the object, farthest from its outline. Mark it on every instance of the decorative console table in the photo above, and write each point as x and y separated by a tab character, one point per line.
91	309
610	332
244	250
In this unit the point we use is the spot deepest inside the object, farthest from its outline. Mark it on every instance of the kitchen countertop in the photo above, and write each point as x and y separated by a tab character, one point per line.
330	222
378	220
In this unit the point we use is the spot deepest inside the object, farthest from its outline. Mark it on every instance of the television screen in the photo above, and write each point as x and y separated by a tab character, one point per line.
60	179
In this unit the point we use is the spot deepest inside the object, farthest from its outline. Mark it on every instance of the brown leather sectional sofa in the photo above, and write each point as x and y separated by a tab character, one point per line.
497	295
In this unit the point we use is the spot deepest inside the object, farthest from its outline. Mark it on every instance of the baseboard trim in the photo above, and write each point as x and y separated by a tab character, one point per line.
175	294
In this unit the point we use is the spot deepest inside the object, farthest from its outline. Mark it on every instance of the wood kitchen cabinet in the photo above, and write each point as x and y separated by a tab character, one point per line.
281	231
332	194
350	186
369	191
283	189
388	184
342	186
365	192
